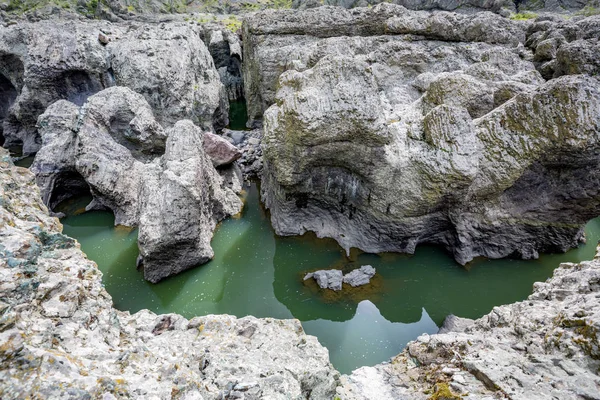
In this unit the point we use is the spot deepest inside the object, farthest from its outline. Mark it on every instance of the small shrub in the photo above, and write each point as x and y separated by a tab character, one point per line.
588	11
523	16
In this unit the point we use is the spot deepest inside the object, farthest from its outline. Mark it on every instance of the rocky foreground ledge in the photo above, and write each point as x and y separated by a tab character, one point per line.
60	336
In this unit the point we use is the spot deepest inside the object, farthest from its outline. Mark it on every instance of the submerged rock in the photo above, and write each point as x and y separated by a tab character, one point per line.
61	337
383	142
360	276
327	279
112	148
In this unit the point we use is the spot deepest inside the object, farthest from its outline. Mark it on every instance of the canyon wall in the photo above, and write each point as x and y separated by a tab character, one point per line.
387	128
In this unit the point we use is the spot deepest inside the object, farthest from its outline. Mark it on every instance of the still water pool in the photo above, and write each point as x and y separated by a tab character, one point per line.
254	272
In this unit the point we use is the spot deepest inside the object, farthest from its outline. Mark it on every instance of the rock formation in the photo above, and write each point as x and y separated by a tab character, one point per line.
181	199
333	278
43	62
327	278
393	128
113	148
60	336
220	151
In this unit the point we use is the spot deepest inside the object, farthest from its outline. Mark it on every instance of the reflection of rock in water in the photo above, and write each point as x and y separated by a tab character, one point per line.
367	337
371	291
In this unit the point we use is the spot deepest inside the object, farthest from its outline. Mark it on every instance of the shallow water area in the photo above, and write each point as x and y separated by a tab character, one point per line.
254	272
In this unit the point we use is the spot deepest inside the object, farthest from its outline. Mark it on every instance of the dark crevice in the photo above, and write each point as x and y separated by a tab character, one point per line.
76	86
8	95
67	185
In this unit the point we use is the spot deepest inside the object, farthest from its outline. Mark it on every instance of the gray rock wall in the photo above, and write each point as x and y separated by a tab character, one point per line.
438	130
51	60
160	180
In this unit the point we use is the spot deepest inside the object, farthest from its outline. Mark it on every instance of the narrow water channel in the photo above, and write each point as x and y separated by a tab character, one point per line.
254	272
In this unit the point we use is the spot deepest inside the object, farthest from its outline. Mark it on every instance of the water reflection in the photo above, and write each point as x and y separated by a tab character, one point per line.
256	273
368	338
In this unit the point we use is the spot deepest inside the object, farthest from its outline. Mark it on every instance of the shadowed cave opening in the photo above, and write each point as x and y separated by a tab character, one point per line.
68	185
76	86
8	95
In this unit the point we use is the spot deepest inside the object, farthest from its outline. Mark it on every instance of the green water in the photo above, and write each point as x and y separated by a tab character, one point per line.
238	115
256	273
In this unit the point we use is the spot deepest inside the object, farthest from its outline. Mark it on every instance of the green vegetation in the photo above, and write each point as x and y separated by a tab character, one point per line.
266	4
523	16
232	23
22	6
443	392
588	11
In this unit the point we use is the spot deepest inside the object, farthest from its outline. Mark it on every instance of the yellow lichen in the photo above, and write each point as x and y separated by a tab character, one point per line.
443	392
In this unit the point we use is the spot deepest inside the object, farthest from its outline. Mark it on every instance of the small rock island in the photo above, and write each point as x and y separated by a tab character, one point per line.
333	278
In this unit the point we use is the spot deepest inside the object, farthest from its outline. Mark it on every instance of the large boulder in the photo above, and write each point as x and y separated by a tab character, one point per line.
220	151
182	200
112	148
43	62
171	66
452	139
99	148
565	46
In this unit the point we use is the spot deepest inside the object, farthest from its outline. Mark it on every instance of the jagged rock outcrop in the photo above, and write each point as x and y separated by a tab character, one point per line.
503	7
112	147
466	6
102	147
565	47
43	62
226	50
181	200
426	134
278	41
60	336
547	346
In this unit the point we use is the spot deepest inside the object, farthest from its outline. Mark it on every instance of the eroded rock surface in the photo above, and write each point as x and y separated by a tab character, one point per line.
417	127
46	61
60	336
327	278
181	200
112	148
360	276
